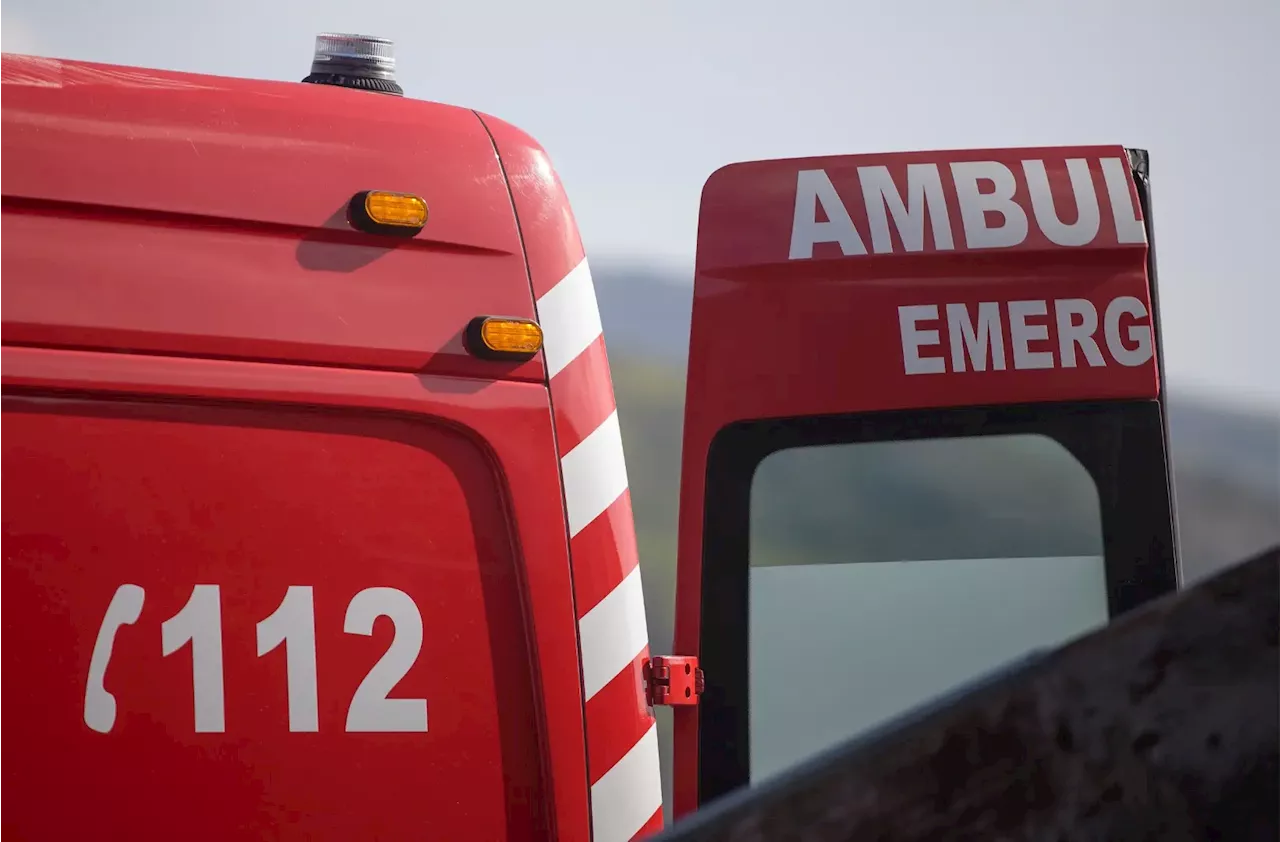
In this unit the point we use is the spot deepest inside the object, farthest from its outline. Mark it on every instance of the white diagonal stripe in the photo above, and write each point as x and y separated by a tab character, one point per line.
595	474
629	794
613	633
570	318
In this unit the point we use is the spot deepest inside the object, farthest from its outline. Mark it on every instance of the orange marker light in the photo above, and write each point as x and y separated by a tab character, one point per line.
383	212
504	339
400	209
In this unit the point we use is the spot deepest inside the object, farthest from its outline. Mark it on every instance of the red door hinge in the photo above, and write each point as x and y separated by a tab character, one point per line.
673	680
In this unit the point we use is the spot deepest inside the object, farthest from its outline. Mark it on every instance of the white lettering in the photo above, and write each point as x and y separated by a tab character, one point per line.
1139	335
977	343
1072	334
913	339
996	208
1129	229
975	204
924	195
813	187
370	709
986	337
1022	334
292	624
200	624
1085	228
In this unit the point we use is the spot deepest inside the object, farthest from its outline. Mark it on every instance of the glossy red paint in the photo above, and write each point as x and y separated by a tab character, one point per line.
306	475
674	680
205	216
210	378
626	795
785	326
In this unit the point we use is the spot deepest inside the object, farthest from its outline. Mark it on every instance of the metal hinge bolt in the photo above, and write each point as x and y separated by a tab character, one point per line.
673	680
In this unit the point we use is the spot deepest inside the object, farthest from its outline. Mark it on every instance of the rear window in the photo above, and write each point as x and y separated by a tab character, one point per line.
885	573
856	566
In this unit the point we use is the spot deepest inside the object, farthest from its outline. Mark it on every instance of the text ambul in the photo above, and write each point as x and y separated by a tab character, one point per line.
999	206
997	336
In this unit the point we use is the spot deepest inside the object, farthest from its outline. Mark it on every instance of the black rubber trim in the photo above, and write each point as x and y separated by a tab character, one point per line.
362	83
1121	444
1140	167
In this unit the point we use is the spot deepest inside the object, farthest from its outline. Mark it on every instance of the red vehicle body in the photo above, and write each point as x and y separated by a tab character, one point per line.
284	556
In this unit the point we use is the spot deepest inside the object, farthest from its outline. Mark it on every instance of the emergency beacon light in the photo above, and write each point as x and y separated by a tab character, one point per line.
355	61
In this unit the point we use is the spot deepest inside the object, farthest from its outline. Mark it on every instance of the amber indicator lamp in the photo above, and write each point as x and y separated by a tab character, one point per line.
498	338
383	212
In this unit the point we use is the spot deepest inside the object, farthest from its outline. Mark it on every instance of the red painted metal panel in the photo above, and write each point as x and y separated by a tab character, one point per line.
257	477
626	793
196	215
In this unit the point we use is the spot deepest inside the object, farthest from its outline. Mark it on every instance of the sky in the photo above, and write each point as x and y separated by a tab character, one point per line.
638	104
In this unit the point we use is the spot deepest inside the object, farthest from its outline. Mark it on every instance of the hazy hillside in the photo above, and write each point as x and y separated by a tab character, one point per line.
645	310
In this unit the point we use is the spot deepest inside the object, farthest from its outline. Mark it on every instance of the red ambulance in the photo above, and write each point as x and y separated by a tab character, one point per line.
317	522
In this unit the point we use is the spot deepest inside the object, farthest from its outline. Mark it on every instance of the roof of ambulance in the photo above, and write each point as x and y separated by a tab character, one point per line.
304	103
258	150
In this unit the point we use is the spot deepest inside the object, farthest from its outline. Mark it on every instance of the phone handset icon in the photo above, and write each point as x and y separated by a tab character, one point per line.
124	610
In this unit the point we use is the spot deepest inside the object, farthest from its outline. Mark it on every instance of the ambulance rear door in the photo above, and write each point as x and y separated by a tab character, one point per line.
924	437
284	536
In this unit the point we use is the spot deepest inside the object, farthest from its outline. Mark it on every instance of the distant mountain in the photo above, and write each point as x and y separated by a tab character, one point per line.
645	310
1239	445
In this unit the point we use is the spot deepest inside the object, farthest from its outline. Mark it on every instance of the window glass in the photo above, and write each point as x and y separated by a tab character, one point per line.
883	574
